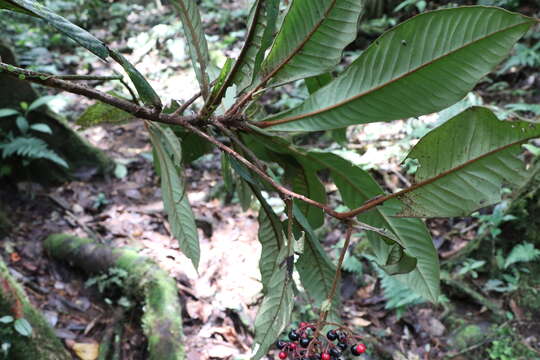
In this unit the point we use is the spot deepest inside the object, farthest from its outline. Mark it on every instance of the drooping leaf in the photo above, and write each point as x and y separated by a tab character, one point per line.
311	39
464	164
81	36
421	66
147	94
175	201
274	314
100	113
270	236
316	270
356	187
262	22
198	47
304	180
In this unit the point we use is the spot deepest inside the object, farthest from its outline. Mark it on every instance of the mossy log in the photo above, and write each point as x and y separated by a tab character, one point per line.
82	158
161	321
43	343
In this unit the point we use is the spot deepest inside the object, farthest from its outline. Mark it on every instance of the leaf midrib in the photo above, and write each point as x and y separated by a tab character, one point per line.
196	45
281	65
265	124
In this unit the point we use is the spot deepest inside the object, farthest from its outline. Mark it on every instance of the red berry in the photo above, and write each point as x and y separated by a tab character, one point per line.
358	349
303	324
282	355
325	356
292	346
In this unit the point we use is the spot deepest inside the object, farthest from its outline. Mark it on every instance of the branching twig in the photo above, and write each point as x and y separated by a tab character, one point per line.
184	106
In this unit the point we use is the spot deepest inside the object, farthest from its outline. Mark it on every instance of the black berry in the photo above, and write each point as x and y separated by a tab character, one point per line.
342	337
342	346
280	344
293	335
305	342
331	335
334	352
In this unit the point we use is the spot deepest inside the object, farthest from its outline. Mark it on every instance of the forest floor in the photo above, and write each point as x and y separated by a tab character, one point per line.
220	301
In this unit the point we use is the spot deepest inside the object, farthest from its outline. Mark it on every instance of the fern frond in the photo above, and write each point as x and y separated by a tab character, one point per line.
525	252
32	148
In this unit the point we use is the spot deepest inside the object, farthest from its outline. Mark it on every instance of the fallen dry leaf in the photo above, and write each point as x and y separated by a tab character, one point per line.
84	351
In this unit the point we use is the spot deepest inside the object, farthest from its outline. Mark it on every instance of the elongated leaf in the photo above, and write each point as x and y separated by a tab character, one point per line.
175	201
8	112
421	66
81	36
198	47
275	312
356	187
465	162
271	238
40	102
316	270
312	38
262	22
147	94
304	180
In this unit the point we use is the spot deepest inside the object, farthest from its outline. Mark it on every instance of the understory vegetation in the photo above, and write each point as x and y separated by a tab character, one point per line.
268	179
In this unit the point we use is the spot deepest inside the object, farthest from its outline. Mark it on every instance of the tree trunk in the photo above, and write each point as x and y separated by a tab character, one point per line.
43	343
83	159
162	318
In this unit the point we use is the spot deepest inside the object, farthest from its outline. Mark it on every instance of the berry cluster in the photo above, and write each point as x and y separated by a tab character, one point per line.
303	344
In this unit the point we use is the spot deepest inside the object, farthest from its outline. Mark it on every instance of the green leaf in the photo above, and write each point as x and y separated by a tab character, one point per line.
271	238
23	327
262	22
100	113
311	39
219	87
464	164
421	66
22	124
226	172
81	36
147	94
44	128
198	47
525	252
8	112
316	270
274	314
6	319
175	199
244	194
40	102
356	187
304	180
314	83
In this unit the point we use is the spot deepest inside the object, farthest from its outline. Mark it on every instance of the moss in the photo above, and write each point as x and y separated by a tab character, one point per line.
467	336
162	315
43	343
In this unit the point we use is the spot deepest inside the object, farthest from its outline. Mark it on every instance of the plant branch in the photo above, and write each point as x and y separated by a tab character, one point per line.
184	106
